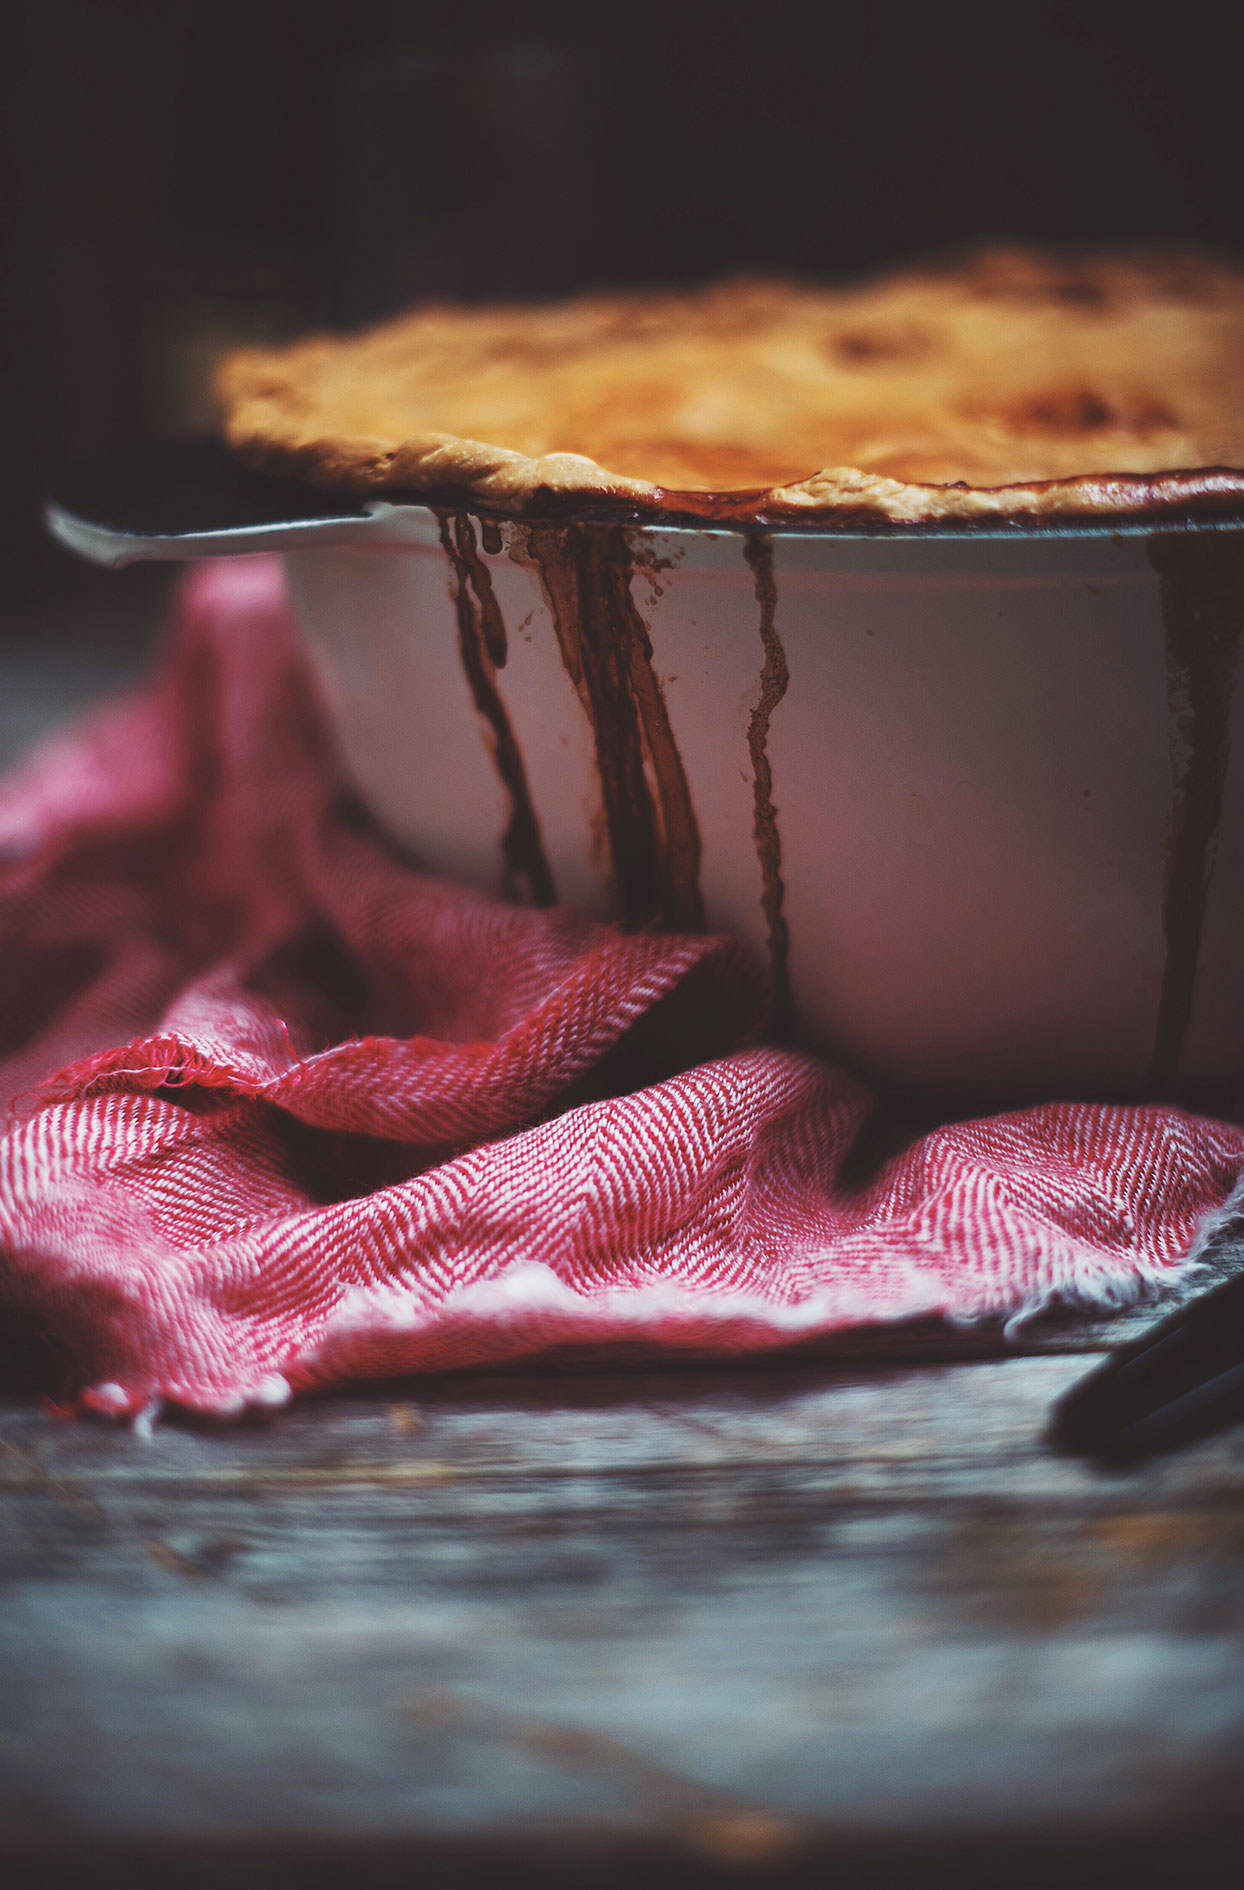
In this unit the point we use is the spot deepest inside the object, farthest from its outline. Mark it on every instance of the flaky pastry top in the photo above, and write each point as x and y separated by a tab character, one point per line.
1013	385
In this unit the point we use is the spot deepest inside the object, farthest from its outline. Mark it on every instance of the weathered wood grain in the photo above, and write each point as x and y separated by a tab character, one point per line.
728	1620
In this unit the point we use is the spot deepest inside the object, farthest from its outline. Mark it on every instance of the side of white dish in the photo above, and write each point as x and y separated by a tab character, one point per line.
980	765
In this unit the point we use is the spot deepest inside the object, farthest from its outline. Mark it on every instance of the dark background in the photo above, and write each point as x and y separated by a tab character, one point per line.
184	174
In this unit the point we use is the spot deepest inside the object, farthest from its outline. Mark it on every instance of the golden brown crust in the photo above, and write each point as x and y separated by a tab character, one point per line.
1012	386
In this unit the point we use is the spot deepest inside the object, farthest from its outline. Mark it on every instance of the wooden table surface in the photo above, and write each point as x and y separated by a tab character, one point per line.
765	1623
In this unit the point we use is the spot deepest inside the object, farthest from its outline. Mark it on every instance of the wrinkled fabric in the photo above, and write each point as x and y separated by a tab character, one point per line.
284	1110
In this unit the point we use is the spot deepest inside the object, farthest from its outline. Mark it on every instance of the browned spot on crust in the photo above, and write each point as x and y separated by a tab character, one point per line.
1079	411
774	679
482	643
864	345
1202	607
654	838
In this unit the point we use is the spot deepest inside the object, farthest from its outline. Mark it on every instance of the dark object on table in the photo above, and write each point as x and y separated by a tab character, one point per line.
1181	1381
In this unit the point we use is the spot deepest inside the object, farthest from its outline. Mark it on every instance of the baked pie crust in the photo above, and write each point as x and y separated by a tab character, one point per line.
1013	385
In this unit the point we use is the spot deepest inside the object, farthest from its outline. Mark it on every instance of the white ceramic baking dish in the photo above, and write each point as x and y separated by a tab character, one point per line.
1001	849
977	798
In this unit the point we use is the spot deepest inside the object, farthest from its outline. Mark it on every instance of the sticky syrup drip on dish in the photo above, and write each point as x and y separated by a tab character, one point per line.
774	681
1202	576
483	647
650	822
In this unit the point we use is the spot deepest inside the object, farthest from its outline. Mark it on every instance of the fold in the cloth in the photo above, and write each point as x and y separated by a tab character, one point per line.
284	1110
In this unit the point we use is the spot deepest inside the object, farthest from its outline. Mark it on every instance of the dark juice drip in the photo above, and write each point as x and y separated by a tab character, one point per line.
1202	609
650	823
679	826
482	644
774	679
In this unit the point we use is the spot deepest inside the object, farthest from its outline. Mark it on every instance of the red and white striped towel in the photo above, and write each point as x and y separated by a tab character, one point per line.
285	1110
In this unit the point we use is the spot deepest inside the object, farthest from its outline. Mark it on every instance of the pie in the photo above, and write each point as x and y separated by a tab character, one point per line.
1010	385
